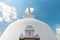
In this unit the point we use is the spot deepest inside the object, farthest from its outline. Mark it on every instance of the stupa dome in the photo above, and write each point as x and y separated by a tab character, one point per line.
14	30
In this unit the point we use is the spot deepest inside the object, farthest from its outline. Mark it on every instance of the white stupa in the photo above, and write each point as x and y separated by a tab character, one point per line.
17	29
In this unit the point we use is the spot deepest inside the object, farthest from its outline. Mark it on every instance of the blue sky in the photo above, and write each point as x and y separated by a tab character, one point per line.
47	11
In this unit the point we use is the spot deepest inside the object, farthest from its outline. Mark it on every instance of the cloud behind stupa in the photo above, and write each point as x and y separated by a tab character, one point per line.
7	13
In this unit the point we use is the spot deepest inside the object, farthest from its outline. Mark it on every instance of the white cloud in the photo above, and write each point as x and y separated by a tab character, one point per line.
1	19
8	12
58	31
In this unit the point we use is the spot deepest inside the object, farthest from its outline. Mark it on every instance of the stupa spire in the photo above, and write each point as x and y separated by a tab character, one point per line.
29	10
28	13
